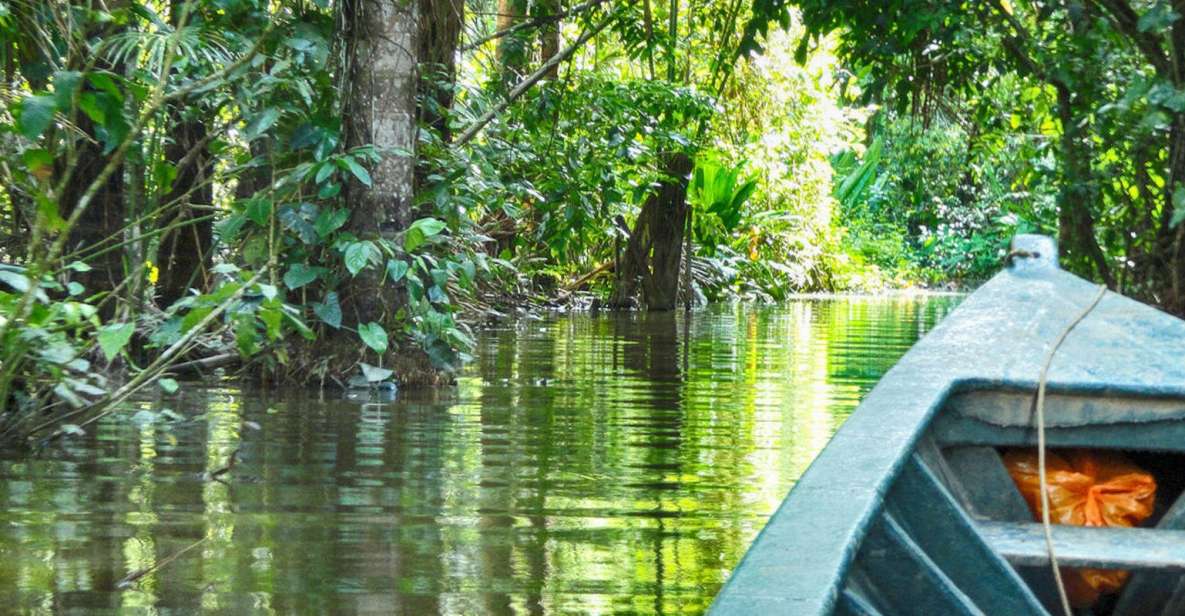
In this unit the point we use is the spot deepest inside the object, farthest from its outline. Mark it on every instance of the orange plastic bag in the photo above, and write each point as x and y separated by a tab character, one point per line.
1086	488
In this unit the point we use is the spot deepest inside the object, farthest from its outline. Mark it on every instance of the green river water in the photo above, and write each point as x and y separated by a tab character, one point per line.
583	465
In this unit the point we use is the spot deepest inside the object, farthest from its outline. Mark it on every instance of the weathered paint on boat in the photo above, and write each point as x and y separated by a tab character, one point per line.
909	509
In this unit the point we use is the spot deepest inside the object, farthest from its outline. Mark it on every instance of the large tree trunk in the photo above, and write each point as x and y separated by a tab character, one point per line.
655	247
514	50
380	110
104	216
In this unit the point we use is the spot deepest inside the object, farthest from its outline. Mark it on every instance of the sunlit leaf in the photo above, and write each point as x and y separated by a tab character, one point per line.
114	337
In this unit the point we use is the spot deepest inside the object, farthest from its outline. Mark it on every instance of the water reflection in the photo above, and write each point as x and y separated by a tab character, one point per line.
582	465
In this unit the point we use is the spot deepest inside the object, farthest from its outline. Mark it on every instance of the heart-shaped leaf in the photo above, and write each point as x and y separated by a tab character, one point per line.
114	337
374	336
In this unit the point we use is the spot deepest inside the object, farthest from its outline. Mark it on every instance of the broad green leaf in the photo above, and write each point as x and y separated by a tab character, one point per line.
329	311
358	255
1158	18
104	82
429	226
298	275
16	280
273	318
295	218
114	337
229	229
92	106
324	172
246	336
195	316
358	170
65	84
421	231
396	269
329	221
297	323
260	123
374	336
468	271
259	210
64	392
329	191
169	386
35	115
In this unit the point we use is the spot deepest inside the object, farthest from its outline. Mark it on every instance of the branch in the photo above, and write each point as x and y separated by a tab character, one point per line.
526	84
106	405
1127	22
1014	45
533	23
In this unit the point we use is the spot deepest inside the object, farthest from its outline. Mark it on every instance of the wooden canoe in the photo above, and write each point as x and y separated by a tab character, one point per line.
910	510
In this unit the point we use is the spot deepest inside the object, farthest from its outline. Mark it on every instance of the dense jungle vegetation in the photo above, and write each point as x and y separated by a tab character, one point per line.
339	191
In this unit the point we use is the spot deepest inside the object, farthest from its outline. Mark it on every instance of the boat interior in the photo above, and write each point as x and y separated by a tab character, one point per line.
955	536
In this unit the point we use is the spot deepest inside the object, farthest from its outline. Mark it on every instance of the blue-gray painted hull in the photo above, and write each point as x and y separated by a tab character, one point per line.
909	509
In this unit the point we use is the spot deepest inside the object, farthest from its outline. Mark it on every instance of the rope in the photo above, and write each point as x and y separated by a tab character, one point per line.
1046	525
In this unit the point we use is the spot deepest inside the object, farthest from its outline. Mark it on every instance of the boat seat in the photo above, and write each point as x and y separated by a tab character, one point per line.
1081	546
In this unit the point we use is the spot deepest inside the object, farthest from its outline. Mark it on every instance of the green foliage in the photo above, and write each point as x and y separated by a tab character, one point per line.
719	196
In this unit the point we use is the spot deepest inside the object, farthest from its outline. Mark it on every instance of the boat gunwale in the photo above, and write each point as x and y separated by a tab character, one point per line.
802	555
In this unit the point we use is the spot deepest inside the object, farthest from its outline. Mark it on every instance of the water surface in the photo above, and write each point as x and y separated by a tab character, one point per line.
584	465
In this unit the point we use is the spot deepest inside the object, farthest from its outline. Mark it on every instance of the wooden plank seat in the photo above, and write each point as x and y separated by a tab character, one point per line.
1080	546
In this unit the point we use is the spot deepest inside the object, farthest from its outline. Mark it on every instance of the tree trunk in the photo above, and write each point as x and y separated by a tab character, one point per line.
1079	247
185	251
104	216
102	219
380	110
549	36
440	34
514	50
655	247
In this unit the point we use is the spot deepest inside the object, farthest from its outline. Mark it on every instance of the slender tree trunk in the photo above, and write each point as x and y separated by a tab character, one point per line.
1076	198
549	36
513	51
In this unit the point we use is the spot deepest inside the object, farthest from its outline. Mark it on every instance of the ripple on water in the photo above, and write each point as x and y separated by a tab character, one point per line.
582	465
